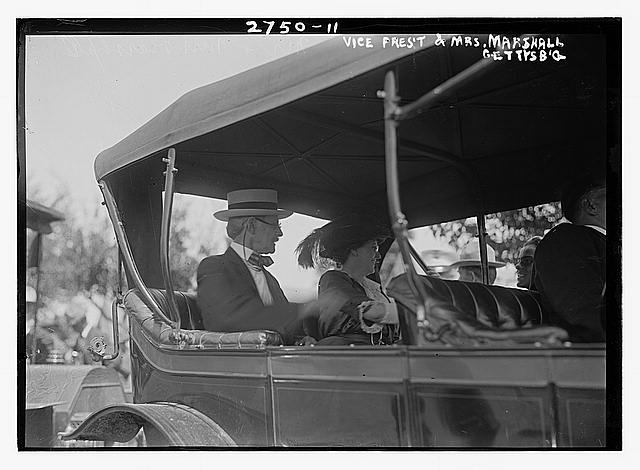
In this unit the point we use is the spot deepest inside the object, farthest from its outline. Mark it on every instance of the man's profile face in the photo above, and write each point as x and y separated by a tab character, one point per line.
264	233
599	200
524	266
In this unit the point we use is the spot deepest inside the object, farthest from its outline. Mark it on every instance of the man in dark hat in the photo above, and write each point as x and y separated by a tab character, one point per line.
235	290
570	262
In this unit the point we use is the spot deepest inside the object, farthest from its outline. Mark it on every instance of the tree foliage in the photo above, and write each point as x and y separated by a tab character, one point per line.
78	257
507	231
81	256
187	246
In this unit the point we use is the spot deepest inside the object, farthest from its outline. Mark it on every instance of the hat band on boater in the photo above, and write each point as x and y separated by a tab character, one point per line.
253	205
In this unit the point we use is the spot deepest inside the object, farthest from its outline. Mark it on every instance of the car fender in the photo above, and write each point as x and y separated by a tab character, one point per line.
165	424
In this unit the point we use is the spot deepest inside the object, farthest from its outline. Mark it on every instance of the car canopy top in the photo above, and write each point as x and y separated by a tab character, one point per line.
311	125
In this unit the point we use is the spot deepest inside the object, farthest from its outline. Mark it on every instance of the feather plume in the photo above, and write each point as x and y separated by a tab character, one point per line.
308	249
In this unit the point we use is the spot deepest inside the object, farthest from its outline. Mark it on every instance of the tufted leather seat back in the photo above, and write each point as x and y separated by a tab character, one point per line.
495	306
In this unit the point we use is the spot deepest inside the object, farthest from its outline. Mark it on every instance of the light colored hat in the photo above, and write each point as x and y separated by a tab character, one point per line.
439	260
252	202
470	256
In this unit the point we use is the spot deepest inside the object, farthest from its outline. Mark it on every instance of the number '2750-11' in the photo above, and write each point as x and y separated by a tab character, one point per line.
285	27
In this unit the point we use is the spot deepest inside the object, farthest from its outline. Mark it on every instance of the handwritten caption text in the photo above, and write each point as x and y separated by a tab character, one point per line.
494	46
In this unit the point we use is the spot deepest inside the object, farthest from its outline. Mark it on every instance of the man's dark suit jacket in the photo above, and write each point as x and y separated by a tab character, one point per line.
229	300
570	266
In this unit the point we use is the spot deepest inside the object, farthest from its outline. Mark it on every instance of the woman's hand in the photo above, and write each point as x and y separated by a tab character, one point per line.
375	313
382	313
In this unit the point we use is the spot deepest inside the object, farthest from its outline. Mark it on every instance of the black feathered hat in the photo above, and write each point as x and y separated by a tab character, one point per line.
334	240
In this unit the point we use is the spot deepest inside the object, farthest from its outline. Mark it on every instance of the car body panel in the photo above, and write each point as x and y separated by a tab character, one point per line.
386	396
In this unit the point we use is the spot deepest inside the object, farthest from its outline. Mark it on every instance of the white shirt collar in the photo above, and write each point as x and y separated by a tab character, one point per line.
257	274
243	251
603	231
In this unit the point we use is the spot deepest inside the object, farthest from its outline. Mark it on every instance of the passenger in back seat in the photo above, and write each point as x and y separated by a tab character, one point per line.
235	290
470	267
353	308
524	263
570	262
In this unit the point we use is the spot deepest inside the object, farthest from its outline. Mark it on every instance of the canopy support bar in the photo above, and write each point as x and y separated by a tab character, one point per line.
127	255
398	219
164	238
482	237
416	256
468	101
442	91
436	95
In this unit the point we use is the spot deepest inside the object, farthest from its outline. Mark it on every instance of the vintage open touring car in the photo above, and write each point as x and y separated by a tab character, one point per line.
336	129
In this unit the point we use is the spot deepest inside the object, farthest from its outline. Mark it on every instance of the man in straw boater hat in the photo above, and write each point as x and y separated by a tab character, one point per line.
235	290
469	265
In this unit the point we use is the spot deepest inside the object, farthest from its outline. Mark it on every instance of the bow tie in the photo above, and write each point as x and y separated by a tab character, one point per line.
259	261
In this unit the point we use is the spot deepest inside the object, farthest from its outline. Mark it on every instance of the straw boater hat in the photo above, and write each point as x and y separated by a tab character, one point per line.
470	256
252	202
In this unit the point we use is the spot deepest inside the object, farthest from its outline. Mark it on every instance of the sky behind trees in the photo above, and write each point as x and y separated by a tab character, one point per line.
86	93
